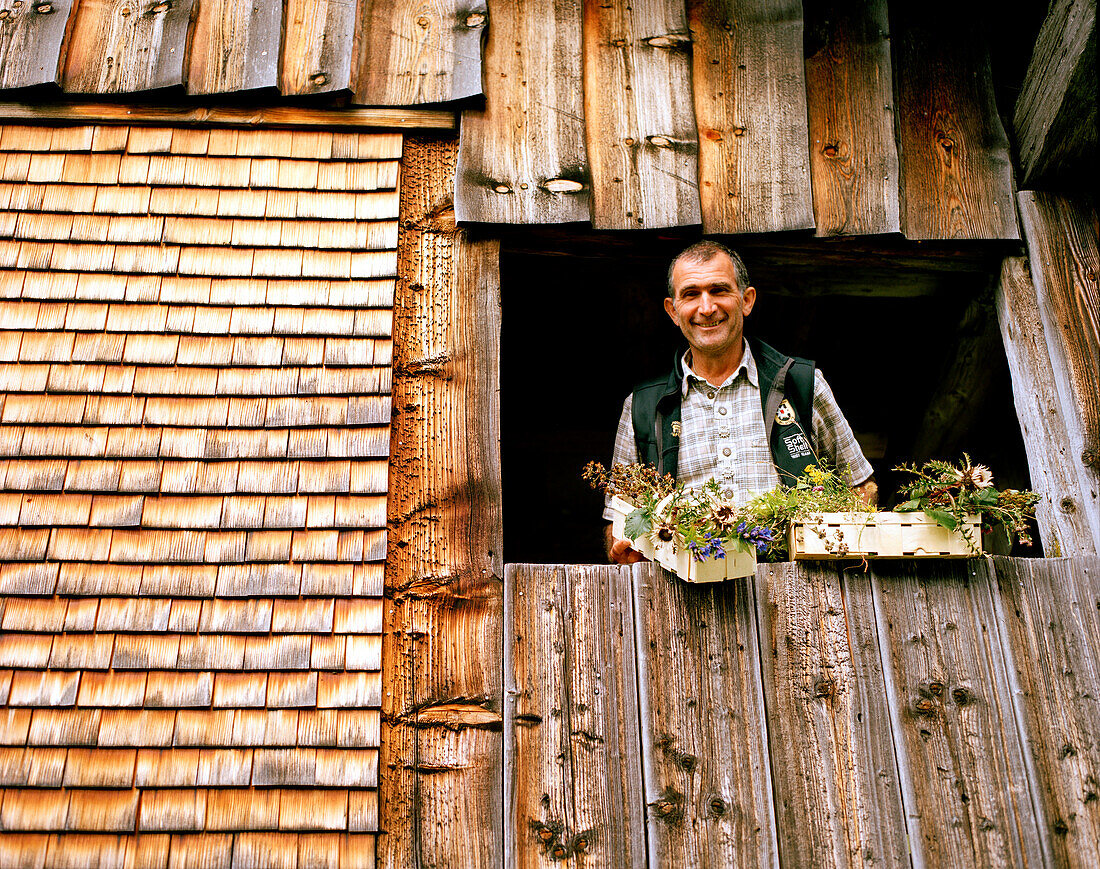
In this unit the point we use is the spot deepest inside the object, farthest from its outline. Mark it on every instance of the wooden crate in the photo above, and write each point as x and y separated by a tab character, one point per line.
880	535
735	565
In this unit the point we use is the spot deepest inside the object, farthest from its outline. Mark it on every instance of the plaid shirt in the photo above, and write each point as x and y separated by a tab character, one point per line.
723	437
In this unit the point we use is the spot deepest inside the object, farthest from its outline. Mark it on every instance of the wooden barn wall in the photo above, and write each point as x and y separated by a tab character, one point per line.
737	115
194	436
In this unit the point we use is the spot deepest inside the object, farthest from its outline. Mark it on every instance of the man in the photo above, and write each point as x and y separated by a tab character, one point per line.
733	410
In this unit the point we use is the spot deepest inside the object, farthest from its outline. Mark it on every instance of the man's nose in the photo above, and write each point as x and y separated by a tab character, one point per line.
706	303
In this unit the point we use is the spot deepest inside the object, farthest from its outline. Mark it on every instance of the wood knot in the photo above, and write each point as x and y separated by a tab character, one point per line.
628	141
318	79
712	135
717	806
1091	458
831	150
946	143
44	8
4	13
961	696
546	834
475	19
738	131
124	11
825	688
669	40
660	141
664	807
580	845
563	185
559	852
924	706
423	21
159	8
502	188
1068	505
618	43
936	688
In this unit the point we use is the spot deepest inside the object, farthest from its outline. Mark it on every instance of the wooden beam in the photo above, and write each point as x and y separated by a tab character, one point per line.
1062	244
956	173
849	89
318	46
1051	461
31	35
235	47
750	106
272	116
522	158
411	53
571	721
119	47
642	145
1055	116
441	797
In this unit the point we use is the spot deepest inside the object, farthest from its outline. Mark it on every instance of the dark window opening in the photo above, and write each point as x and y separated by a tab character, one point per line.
906	334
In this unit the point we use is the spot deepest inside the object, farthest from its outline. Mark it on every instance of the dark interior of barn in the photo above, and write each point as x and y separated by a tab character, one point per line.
905	332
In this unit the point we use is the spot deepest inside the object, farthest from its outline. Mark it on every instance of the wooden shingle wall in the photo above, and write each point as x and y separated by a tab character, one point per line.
194	432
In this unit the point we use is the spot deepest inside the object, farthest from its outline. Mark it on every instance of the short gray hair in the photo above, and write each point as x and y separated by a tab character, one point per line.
704	251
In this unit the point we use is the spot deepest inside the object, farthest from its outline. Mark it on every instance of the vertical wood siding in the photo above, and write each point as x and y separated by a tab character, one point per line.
235	47
31	35
194	431
317	46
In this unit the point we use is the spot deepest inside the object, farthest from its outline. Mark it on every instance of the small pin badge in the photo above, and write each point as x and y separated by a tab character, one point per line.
676	429
785	414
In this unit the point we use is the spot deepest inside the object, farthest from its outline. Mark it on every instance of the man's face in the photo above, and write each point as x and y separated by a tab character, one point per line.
708	307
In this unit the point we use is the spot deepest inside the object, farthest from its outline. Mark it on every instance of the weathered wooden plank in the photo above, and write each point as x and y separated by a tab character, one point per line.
1052	462
1064	256
750	105
956	170
522	157
317	46
1055	114
235	47
837	794
963	774
708	786
640	125
1048	612
118	47
30	43
849	97
441	789
412	52
572	772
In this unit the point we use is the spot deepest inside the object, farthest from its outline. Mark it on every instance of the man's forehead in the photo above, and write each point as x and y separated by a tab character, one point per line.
695	271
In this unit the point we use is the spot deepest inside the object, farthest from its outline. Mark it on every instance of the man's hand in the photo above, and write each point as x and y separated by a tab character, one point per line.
619	551
868	491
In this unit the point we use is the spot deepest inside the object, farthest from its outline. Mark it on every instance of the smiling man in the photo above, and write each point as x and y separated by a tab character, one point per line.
732	409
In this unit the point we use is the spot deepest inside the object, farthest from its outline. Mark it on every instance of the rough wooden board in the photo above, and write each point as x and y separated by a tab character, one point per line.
1064	256
1052	463
117	47
837	794
234	47
572	771
30	43
1051	631
750	106
522	157
412	52
640	124
964	777
317	47
850	98
442	630
956	169
706	771
1055	114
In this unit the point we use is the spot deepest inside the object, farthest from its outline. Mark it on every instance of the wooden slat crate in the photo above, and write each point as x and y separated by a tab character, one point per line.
881	535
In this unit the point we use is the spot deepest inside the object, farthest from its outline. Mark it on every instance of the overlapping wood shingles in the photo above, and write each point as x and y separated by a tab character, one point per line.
194	431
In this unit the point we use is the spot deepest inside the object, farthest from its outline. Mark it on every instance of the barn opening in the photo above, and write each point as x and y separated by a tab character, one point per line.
905	332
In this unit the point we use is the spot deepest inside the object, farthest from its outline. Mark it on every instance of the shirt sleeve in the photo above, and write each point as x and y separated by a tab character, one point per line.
626	450
833	438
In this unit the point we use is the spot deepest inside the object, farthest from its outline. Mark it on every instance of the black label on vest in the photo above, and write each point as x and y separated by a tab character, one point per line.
797	445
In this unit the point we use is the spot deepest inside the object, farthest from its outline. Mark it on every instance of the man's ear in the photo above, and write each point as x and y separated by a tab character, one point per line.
748	299
670	309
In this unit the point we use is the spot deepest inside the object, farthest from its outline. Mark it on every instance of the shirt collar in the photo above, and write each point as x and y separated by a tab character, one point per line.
748	365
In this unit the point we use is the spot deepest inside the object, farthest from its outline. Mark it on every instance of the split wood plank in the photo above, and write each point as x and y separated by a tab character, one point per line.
119	47
235	47
1064	255
573	775
412	52
1052	463
522	157
850	98
837	795
1055	115
442	630
750	106
964	777
707	777
271	116
31	35
956	170
643	148
1048	611
318	47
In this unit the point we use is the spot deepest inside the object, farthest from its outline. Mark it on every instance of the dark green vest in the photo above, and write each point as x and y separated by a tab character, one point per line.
656	406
